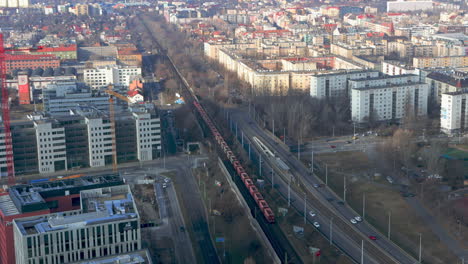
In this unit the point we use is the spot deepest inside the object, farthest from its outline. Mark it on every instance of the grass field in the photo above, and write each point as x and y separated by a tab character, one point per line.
382	200
457	153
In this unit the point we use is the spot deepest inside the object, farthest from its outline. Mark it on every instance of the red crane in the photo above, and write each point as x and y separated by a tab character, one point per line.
6	116
6	112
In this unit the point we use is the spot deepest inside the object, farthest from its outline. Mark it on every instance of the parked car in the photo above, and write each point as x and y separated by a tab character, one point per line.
316	224
358	218
312	213
333	146
353	221
372	238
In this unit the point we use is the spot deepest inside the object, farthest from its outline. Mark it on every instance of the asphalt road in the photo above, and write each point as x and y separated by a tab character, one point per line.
348	239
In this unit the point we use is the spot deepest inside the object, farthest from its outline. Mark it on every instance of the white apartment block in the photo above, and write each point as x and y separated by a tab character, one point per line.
453	112
407	6
107	224
51	152
148	135
99	141
335	84
388	97
101	77
395	68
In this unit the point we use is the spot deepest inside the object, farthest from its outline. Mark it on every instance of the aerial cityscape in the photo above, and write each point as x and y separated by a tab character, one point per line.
243	131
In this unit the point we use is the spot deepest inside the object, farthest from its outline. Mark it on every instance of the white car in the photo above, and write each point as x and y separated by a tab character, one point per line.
316	224
164	185
353	221
312	213
166	180
358	218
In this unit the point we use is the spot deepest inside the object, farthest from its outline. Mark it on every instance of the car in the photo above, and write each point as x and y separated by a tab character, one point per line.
340	202
312	213
348	142
372	238
358	218
353	221
316	185
166	180
164	185
182	229
331	199
332	146
316	224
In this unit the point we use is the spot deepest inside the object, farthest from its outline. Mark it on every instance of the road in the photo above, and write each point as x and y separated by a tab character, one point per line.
349	239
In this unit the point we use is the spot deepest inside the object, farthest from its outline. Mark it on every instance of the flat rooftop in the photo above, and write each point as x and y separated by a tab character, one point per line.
103	205
136	257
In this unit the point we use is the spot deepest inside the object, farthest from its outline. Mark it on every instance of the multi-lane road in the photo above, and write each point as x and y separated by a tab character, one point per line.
345	235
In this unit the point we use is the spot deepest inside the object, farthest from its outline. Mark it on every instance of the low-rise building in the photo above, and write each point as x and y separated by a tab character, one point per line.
21	62
388	98
454	112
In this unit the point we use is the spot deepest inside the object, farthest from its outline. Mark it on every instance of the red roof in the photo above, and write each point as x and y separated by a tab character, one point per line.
58	49
394	14
133	93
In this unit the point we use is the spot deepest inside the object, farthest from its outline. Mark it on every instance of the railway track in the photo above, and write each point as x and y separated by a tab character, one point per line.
377	253
272	231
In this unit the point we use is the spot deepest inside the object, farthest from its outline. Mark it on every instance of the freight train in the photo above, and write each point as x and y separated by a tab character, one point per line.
256	195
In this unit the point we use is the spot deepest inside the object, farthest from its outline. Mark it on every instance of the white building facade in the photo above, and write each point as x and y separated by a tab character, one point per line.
99	141
101	77
453	112
406	6
51	150
387	98
148	135
336	84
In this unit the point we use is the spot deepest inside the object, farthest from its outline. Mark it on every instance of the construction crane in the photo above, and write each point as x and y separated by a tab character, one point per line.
113	94
6	117
6	108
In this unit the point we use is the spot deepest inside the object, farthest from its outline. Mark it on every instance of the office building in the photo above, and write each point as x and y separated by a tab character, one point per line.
103	76
107	224
454	112
387	98
42	198
335	83
62	96
50	138
99	140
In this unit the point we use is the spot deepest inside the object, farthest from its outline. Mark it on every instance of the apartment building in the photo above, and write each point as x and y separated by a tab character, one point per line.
387	98
441	82
454	112
103	76
15	3
411	5
429	62
349	51
50	138
107	223
335	83
22	62
41	198
396	68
